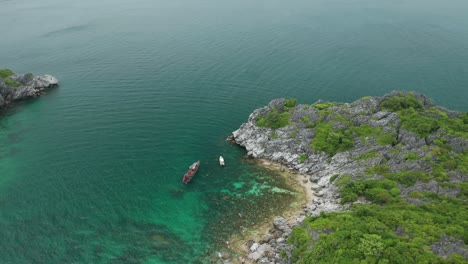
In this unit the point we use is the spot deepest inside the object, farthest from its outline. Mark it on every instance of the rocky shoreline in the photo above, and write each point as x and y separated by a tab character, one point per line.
15	87
330	142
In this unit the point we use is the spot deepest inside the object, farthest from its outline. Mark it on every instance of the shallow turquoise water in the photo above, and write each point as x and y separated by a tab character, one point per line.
90	173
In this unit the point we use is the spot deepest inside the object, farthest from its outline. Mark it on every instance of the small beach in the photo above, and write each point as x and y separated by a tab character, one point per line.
237	245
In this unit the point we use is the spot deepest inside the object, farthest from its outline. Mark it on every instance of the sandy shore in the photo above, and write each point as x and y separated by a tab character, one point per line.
237	244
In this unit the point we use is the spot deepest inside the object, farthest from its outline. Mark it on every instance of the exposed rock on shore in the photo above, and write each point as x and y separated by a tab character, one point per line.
402	139
14	86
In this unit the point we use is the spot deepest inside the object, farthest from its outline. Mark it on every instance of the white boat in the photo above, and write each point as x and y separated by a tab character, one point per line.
221	160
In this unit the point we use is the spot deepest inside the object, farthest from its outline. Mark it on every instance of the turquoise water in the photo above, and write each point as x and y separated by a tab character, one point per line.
90	173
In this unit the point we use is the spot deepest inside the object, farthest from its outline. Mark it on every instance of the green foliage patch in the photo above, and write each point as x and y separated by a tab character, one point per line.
331	141
10	82
322	106
400	102
366	234
274	120
387	139
5	76
365	130
6	73
367	155
303	158
289	103
411	156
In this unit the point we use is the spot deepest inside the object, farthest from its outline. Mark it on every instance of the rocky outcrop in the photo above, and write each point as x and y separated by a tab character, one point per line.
22	86
449	245
378	141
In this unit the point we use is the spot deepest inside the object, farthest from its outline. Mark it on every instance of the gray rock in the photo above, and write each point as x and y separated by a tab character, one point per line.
255	256
254	247
449	245
30	86
281	224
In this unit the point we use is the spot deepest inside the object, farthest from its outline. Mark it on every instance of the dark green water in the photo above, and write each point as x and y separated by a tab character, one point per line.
90	173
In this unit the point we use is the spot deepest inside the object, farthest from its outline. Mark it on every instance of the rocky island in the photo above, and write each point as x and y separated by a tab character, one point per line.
15	87
388	175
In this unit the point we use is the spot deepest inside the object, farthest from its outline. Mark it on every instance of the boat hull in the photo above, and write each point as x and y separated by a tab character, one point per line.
191	172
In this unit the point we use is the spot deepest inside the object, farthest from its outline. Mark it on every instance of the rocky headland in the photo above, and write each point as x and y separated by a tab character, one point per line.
388	175
15	86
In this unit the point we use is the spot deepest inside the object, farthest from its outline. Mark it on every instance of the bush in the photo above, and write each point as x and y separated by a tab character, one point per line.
367	155
411	156
333	178
331	141
303	158
289	103
6	73
274	120
366	130
10	82
387	139
322	106
418	123
400	102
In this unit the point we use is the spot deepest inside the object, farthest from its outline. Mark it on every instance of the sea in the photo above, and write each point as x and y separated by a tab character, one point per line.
91	172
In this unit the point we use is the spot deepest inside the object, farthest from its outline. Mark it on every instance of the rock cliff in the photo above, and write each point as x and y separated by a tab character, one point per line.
401	139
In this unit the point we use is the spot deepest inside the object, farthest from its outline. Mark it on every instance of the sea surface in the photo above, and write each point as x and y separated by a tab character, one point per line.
91	172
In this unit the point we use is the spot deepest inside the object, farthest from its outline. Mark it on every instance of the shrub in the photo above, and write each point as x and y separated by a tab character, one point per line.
394	191
274	136
10	82
274	120
6	73
418	123
330	141
411	156
322	106
366	130
289	103
400	102
367	155
378	169
333	178
303	158
387	139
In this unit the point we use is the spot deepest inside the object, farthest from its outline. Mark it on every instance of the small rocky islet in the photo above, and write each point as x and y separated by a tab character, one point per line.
16	87
389	176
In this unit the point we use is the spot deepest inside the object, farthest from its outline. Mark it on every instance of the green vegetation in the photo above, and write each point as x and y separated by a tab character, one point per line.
303	158
368	155
322	106
274	136
414	117
10	82
274	120
6	73
307	121
331	141
367	234
333	178
388	229
277	120
5	76
411	156
366	131
400	102
289	103
387	139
